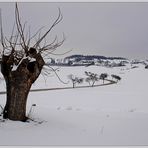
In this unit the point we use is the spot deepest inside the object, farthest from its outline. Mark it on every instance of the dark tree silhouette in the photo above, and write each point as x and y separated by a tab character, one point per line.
146	67
23	57
75	80
91	78
116	77
103	76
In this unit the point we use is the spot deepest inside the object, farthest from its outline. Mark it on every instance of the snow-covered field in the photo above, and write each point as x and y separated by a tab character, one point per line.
114	114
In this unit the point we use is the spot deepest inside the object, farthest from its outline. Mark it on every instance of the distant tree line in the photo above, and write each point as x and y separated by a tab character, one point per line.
91	57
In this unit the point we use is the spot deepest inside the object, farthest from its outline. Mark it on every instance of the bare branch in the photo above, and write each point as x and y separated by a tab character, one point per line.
50	48
54	70
58	20
1	29
29	37
58	54
33	36
16	39
20	28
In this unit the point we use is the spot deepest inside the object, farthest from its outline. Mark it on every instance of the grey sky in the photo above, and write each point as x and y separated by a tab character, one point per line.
110	29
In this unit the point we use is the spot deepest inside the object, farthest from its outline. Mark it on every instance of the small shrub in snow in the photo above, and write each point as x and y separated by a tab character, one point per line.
116	77
103	76
91	78
75	80
146	67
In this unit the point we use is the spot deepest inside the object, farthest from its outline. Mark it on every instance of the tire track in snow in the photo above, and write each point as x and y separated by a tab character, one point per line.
61	88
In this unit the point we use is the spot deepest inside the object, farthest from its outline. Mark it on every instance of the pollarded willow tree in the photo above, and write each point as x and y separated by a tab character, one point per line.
22	62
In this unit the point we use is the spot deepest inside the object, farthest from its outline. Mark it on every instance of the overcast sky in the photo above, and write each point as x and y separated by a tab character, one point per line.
109	29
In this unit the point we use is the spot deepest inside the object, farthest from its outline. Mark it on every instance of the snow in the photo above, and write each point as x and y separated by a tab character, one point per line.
14	68
114	114
7	52
31	59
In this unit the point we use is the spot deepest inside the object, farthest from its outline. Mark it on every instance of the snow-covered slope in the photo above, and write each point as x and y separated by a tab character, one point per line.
115	114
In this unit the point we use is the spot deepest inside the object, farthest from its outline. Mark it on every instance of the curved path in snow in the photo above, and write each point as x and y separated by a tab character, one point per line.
60	88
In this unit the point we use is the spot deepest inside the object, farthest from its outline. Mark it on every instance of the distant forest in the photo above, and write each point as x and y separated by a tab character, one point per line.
91	57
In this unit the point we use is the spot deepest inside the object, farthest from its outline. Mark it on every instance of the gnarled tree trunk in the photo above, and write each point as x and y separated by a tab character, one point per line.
18	84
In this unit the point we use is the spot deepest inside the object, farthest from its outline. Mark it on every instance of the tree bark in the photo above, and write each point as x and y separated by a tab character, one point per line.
18	84
18	87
